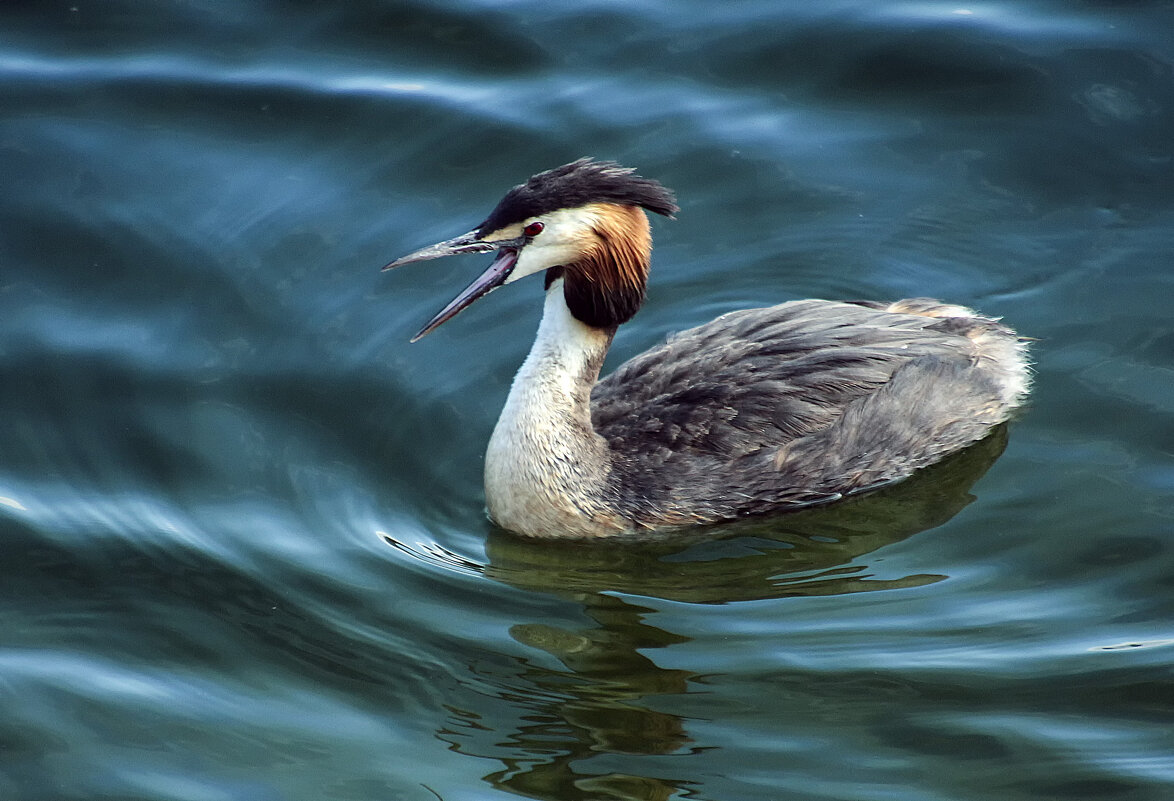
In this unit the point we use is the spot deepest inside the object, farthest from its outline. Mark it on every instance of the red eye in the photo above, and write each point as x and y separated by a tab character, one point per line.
533	229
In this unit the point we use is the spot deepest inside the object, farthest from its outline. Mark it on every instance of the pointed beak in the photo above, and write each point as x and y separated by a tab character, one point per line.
495	276
485	283
465	243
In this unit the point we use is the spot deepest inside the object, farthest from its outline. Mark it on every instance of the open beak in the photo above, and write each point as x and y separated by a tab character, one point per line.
492	278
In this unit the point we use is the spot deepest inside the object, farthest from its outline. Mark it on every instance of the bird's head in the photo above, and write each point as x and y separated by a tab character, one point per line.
583	222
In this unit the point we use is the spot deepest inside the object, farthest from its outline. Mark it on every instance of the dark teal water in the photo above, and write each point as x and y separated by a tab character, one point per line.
244	548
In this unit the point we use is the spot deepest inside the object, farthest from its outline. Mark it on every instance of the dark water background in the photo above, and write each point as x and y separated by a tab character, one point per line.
244	551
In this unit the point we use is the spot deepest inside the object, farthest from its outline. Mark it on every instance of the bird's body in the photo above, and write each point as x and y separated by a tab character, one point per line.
758	411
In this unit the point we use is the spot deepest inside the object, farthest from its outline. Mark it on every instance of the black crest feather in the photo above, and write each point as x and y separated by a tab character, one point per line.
576	184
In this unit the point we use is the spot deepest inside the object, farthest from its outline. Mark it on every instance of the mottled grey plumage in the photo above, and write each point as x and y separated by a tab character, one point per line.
767	409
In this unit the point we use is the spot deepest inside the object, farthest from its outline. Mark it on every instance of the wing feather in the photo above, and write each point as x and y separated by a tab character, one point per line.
793	403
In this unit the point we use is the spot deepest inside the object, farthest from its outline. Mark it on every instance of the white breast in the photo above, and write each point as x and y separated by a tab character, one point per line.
545	467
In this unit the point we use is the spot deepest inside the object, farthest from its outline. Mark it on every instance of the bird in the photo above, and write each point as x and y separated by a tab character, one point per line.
759	411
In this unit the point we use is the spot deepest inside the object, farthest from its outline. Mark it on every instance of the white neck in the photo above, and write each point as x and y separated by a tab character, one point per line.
546	468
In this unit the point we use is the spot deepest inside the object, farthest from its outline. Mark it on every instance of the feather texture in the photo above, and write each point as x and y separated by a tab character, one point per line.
800	403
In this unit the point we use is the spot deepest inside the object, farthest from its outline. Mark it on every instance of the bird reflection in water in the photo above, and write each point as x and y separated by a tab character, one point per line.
602	701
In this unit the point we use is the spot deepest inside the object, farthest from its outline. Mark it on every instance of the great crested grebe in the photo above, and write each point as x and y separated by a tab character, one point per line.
761	410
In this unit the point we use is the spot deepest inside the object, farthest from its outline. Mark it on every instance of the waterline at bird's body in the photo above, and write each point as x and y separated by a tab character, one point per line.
759	411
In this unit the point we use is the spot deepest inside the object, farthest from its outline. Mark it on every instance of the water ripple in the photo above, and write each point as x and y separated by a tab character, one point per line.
214	429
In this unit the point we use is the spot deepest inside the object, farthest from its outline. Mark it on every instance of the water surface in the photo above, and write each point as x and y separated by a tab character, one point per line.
245	549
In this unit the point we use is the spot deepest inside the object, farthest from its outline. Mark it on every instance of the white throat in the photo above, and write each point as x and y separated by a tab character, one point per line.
545	467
